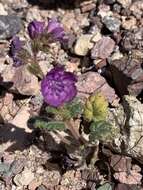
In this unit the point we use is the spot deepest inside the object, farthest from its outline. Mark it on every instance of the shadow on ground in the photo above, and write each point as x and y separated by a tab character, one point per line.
14	138
54	4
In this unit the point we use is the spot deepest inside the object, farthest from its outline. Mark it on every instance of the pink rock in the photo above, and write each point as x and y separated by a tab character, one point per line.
92	82
103	48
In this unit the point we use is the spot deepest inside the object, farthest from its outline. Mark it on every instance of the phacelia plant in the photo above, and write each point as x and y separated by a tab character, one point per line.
65	111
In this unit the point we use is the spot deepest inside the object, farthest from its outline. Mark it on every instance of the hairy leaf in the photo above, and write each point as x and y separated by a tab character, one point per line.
51	126
52	110
75	107
101	130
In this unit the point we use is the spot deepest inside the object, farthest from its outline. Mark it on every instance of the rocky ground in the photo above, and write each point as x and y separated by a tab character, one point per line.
105	50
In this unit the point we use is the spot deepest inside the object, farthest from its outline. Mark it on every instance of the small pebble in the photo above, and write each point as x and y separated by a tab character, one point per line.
104	10
24	178
129	23
83	45
117	7
112	23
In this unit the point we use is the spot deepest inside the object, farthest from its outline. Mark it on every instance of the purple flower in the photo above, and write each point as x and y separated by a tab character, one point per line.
56	31
35	29
15	48
58	87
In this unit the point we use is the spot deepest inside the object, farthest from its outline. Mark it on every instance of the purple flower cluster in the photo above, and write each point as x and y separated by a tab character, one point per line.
56	31
58	87
15	48
35	29
53	30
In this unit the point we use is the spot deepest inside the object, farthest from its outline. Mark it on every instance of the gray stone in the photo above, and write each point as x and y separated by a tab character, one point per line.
134	123
129	117
9	26
112	23
117	7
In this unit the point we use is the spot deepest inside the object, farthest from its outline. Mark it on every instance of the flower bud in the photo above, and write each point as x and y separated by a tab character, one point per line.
56	31
35	29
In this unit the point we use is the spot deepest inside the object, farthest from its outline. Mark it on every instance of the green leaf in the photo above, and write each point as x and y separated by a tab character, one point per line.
75	107
67	111
52	110
51	125
101	130
106	186
59	113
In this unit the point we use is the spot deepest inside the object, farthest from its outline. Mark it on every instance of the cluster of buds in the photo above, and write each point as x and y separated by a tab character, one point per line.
54	31
39	33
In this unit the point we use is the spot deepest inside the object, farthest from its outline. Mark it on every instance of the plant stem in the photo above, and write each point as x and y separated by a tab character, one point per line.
74	130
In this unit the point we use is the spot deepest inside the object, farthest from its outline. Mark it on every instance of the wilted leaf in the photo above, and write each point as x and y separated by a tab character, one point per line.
51	126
